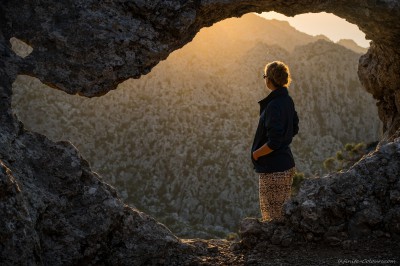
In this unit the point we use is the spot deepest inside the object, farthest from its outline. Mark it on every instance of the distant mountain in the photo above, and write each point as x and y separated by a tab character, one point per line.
176	143
352	45
233	35
322	37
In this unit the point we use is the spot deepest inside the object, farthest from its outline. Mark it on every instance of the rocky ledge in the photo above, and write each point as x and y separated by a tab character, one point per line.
341	208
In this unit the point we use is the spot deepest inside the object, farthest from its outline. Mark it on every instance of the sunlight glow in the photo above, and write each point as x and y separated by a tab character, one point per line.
335	28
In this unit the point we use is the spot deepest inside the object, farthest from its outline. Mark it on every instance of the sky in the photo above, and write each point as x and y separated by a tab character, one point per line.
332	26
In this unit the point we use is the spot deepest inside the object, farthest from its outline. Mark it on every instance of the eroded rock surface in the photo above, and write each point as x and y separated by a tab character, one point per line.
55	210
339	208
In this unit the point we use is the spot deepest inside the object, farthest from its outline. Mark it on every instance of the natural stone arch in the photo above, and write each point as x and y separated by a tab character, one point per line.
97	63
85	48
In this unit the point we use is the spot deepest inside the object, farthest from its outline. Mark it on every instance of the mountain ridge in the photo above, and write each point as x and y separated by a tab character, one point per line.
352	45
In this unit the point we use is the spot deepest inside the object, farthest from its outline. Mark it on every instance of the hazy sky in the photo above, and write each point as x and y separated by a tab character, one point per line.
333	27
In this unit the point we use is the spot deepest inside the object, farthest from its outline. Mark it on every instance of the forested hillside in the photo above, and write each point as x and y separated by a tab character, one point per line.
176	142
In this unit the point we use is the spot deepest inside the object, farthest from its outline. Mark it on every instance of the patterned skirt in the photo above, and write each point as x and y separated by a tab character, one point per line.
274	189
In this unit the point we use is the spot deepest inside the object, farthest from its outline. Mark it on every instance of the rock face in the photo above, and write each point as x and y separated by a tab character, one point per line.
56	211
341	207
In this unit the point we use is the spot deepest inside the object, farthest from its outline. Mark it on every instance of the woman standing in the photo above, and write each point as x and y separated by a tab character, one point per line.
271	154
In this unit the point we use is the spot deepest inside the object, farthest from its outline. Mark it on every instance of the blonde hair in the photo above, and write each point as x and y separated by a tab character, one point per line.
279	74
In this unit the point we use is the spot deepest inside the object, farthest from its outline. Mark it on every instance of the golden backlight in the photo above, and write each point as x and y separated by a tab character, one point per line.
333	27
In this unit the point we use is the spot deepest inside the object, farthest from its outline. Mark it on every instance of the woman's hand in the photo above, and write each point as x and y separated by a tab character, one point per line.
264	150
255	157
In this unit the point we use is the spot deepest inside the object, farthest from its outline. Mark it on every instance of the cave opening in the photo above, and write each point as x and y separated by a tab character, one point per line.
203	102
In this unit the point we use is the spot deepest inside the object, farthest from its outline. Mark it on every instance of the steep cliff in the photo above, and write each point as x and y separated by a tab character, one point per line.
49	195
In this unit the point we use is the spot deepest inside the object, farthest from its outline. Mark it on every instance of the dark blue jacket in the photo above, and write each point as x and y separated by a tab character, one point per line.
277	126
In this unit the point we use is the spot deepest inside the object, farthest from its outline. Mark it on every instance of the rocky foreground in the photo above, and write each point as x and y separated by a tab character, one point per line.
55	211
369	252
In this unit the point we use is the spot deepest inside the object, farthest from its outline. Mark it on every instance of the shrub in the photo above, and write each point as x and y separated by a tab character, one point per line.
350	154
297	180
232	236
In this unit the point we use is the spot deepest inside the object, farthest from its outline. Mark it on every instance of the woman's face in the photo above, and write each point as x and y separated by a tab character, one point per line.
265	80
268	83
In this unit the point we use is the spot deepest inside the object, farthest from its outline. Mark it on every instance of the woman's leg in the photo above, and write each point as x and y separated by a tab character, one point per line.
274	189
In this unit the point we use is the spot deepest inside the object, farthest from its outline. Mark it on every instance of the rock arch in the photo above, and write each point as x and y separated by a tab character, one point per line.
86	48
